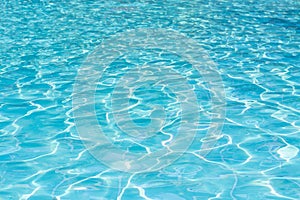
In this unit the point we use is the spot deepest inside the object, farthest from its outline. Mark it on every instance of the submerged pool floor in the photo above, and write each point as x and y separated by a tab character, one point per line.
162	100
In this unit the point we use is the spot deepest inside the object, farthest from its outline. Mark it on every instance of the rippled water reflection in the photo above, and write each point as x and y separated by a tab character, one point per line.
255	45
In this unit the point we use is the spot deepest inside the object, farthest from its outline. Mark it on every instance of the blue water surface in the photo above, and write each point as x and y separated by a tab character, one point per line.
255	46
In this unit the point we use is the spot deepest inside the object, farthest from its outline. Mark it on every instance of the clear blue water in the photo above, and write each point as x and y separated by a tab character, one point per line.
207	91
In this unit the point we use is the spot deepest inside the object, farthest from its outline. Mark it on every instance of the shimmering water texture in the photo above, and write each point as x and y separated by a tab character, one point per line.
162	100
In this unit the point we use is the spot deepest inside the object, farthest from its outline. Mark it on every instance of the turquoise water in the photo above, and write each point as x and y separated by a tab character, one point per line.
150	100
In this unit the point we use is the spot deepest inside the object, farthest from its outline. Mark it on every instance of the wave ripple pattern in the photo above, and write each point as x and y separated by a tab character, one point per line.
160	100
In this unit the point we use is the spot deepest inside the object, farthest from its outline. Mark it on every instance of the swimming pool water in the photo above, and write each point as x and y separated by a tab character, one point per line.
212	86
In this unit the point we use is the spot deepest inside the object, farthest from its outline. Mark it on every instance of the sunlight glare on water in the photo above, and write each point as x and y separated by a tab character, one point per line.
162	100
